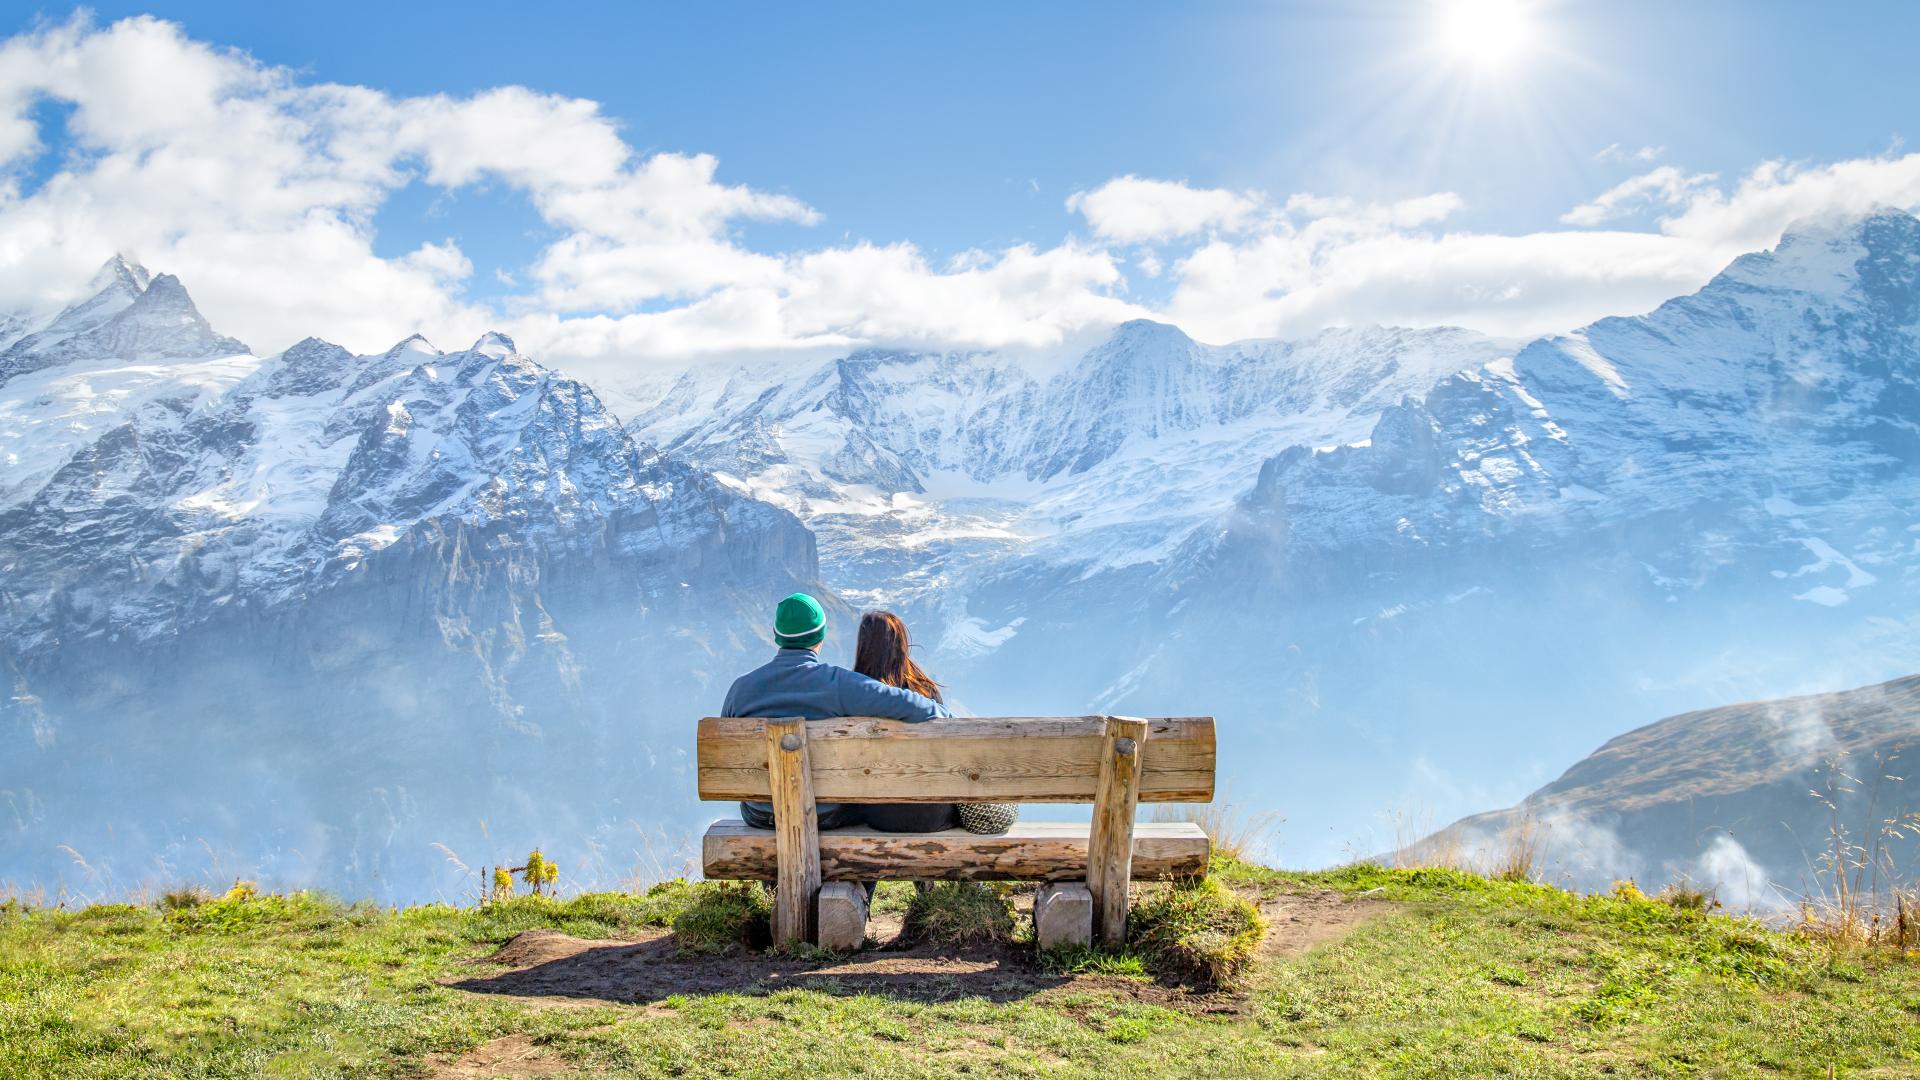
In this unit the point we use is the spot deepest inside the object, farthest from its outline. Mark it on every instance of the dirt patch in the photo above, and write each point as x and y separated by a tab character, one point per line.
513	1056
550	966
649	971
1299	921
542	947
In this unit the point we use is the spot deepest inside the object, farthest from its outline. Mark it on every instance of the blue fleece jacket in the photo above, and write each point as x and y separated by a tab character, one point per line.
798	683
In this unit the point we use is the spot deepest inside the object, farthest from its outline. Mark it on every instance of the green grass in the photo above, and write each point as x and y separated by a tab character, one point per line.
961	913
1199	932
1459	976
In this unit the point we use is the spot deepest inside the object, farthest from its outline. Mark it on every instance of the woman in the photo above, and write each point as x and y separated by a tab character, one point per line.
884	653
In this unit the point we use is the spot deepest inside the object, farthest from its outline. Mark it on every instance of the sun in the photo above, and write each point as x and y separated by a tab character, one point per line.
1487	34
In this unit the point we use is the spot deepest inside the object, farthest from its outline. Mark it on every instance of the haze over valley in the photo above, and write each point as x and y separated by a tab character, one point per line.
353	621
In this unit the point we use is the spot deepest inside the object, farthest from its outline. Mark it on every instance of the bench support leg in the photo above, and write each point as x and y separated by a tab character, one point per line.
796	830
1063	914
1110	856
842	919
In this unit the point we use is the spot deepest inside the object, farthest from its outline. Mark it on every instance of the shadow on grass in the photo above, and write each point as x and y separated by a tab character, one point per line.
550	964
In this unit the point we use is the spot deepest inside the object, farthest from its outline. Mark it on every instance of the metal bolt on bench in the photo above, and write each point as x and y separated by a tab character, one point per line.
1114	762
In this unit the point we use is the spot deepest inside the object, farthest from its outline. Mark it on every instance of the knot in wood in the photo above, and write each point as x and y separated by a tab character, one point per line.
789	742
1124	746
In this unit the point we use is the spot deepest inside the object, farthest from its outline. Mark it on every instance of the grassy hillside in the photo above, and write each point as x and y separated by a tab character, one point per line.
1361	972
1770	780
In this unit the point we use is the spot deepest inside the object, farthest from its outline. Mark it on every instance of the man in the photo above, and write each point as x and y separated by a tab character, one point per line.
797	683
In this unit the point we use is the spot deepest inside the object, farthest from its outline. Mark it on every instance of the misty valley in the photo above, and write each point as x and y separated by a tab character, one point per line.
367	623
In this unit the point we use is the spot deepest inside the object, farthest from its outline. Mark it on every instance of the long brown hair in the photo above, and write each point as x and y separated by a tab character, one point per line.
885	653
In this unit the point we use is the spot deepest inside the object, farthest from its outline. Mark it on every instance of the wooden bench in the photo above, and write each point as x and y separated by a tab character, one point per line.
1113	762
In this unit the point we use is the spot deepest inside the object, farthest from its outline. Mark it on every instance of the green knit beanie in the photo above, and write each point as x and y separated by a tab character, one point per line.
799	622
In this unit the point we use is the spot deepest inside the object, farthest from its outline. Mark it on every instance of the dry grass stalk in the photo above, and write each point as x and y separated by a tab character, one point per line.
1416	845
1862	897
1519	852
1235	832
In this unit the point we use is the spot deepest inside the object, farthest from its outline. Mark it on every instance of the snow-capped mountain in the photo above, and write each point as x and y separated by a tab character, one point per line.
1432	565
370	598
451	579
921	471
130	315
1719	500
1787	387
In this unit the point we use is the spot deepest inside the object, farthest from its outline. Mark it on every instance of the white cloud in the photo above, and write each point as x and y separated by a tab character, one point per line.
1131	209
1387	263
1617	153
1662	188
1383	263
262	192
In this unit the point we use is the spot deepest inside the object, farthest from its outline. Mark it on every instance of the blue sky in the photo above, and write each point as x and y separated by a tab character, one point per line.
966	129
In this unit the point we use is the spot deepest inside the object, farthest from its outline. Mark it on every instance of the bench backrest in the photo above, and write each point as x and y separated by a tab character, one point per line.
968	759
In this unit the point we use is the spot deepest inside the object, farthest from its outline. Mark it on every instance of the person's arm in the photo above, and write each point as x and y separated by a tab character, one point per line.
861	696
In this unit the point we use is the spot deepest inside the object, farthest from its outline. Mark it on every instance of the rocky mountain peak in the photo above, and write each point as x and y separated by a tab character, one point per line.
495	344
122	274
131	315
309	367
161	323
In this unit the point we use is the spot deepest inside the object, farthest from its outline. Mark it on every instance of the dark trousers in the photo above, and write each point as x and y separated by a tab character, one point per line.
910	817
831	815
887	817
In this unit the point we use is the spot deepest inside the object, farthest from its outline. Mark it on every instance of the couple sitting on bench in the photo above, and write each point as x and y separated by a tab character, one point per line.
872	752
885	682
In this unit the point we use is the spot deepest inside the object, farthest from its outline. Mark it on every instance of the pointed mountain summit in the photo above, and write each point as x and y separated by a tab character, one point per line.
495	344
130	276
132	314
162	323
112	289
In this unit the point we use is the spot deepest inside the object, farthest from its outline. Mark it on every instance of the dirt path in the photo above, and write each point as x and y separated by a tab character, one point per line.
1300	921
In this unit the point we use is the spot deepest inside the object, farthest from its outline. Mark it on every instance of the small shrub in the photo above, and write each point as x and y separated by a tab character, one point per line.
245	907
961	913
1628	892
1688	898
1197	931
111	919
721	916
183	898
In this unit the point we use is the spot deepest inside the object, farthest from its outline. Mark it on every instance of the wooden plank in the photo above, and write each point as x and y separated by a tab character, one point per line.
1030	851
966	759
1110	857
796	830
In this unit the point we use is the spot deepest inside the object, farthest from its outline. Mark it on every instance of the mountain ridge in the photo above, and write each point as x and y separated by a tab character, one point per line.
1347	547
1740	798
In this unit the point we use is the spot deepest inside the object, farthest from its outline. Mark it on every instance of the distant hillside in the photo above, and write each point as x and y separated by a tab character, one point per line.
1730	797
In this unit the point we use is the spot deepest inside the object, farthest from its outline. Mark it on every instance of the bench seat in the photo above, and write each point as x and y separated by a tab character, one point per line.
1030	851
